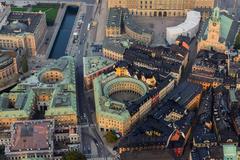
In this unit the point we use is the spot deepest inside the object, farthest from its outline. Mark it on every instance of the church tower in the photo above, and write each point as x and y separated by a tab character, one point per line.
214	26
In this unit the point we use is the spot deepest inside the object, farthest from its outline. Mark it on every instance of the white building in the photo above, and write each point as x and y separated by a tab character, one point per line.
188	28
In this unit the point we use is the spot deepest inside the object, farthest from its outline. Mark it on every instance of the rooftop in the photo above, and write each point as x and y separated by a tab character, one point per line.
95	63
114	17
184	93
159	128
113	45
21	22
29	136
228	27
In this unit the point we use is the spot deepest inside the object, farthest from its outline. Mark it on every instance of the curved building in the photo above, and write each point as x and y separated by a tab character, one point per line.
122	99
136	32
188	28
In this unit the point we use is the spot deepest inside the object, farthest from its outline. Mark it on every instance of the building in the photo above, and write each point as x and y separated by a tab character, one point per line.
160	7
31	139
208	153
188	28
93	67
136	32
8	70
209	69
122	98
51	93
218	33
114	22
23	30
113	49
16	106
186	94
120	21
167	61
166	126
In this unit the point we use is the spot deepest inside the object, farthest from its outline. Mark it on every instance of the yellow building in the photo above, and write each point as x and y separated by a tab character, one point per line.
217	33
121	100
113	28
113	50
23	30
160	7
51	91
8	69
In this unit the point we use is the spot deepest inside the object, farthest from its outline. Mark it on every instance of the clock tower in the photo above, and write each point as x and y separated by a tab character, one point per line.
214	26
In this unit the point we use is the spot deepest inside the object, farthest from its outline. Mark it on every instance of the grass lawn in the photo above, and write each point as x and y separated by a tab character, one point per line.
50	10
19	9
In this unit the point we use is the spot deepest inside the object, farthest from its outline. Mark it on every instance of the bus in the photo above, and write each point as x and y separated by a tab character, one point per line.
89	26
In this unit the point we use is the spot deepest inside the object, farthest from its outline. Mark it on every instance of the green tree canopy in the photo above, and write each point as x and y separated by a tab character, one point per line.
74	155
111	137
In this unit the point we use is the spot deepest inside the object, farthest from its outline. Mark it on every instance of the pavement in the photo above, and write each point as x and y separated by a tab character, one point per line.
158	25
89	134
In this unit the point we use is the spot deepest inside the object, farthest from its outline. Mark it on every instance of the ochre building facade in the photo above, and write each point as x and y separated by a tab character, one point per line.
160	7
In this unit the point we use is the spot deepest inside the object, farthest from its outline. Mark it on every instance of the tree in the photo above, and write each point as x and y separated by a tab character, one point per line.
24	63
111	137
74	155
237	42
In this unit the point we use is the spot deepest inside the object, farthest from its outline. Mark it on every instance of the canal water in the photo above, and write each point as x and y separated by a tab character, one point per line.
61	41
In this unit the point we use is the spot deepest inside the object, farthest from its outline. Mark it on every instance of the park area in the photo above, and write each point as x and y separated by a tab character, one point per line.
50	10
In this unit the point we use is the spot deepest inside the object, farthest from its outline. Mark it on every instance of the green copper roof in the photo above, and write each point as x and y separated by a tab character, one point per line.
230	150
103	105
62	93
227	27
226	24
95	63
21	109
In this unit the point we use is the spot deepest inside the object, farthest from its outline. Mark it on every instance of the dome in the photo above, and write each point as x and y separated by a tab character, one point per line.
17	26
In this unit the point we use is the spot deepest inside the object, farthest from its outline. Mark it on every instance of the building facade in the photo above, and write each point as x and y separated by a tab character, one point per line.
8	69
93	67
121	100
160	7
23	30
218	33
31	139
50	91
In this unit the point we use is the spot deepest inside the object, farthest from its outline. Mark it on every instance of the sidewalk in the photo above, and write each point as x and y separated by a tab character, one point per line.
101	18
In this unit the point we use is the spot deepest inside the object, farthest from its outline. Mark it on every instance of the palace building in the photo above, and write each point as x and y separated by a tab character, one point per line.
161	7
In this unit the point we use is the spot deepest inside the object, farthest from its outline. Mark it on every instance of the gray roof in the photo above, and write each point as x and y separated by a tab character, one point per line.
113	46
20	22
114	17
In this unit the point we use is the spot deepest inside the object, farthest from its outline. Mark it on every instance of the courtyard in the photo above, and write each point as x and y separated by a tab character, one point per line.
158	25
